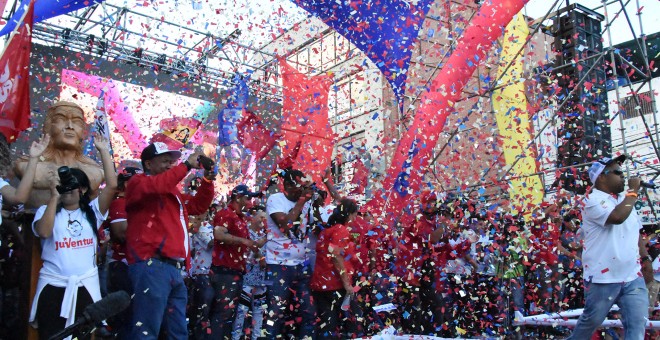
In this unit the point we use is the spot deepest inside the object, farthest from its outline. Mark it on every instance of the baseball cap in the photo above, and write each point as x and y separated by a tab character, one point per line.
158	148
129	172
428	197
598	166
243	190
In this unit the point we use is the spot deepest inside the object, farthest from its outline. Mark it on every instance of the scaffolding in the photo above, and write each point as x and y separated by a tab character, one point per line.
610	54
103	30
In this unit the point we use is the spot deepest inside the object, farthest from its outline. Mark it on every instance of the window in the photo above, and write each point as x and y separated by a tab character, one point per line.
632	108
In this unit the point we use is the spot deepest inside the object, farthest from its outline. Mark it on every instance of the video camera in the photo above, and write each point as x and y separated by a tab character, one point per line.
207	163
68	181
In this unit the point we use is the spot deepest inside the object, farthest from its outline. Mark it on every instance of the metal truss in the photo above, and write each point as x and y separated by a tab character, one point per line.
111	32
614	59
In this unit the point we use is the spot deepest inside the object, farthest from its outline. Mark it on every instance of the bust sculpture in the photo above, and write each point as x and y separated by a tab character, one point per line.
65	123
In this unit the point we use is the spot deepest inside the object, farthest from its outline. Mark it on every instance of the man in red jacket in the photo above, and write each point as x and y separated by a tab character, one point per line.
157	245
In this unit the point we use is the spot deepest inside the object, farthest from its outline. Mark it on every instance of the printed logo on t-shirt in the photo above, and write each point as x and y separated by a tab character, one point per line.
74	228
70	243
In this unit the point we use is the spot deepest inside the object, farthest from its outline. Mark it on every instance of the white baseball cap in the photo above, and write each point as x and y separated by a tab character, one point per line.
598	166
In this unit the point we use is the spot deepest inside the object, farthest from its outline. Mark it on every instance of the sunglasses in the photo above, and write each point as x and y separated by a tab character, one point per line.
616	172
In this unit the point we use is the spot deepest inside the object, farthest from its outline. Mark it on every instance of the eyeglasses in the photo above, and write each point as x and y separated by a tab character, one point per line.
616	172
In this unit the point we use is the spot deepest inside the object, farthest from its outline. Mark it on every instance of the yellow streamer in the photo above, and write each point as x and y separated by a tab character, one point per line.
513	120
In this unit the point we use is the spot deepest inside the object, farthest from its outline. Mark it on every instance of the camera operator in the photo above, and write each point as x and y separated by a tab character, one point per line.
157	244
288	267
611	255
68	228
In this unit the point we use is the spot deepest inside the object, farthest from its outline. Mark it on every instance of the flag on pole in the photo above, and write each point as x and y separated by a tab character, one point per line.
100	126
254	135
15	79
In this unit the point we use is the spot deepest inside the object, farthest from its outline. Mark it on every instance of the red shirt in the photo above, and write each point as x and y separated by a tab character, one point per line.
117	213
413	250
231	256
358	231
380	243
326	277
158	214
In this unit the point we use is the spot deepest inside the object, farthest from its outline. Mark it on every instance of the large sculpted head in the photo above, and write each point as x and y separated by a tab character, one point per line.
65	123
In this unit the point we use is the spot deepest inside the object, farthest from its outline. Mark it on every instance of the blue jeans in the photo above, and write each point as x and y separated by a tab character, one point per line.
227	285
632	299
159	299
285	281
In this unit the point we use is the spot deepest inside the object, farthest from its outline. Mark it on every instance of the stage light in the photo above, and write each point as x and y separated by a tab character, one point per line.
66	36
136	56
90	42
102	47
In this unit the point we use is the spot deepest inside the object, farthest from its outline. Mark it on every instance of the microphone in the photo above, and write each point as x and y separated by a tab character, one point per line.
647	185
107	307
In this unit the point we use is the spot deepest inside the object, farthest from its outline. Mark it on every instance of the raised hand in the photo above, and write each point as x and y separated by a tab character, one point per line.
53	181
38	147
193	159
101	143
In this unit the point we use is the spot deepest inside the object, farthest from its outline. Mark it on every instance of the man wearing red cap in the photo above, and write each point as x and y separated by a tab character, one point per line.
157	245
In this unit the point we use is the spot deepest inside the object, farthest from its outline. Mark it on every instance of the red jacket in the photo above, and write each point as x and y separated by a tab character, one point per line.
153	208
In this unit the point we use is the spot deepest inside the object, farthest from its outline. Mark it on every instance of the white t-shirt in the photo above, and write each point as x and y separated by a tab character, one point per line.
3	184
611	251
71	249
327	211
202	254
288	250
459	266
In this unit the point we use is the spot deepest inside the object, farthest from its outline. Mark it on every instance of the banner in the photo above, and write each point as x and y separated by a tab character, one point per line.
15	79
46	9
385	31
305	125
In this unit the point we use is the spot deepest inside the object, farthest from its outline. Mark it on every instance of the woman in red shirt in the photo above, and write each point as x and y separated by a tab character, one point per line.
333	273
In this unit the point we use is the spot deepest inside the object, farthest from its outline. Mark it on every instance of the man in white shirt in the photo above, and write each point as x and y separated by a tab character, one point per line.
611	256
287	249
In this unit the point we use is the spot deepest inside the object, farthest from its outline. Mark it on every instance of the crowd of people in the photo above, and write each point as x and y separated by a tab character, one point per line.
301	261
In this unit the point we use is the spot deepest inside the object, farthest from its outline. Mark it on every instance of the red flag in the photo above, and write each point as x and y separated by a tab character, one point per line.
15	79
254	135
305	120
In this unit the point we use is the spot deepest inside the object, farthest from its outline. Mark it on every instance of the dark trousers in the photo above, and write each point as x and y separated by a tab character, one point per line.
328	304
227	285
422	309
285	281
118	280
203	296
49	307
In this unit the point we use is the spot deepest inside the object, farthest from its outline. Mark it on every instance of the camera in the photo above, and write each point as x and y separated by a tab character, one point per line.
316	191
206	163
68	181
